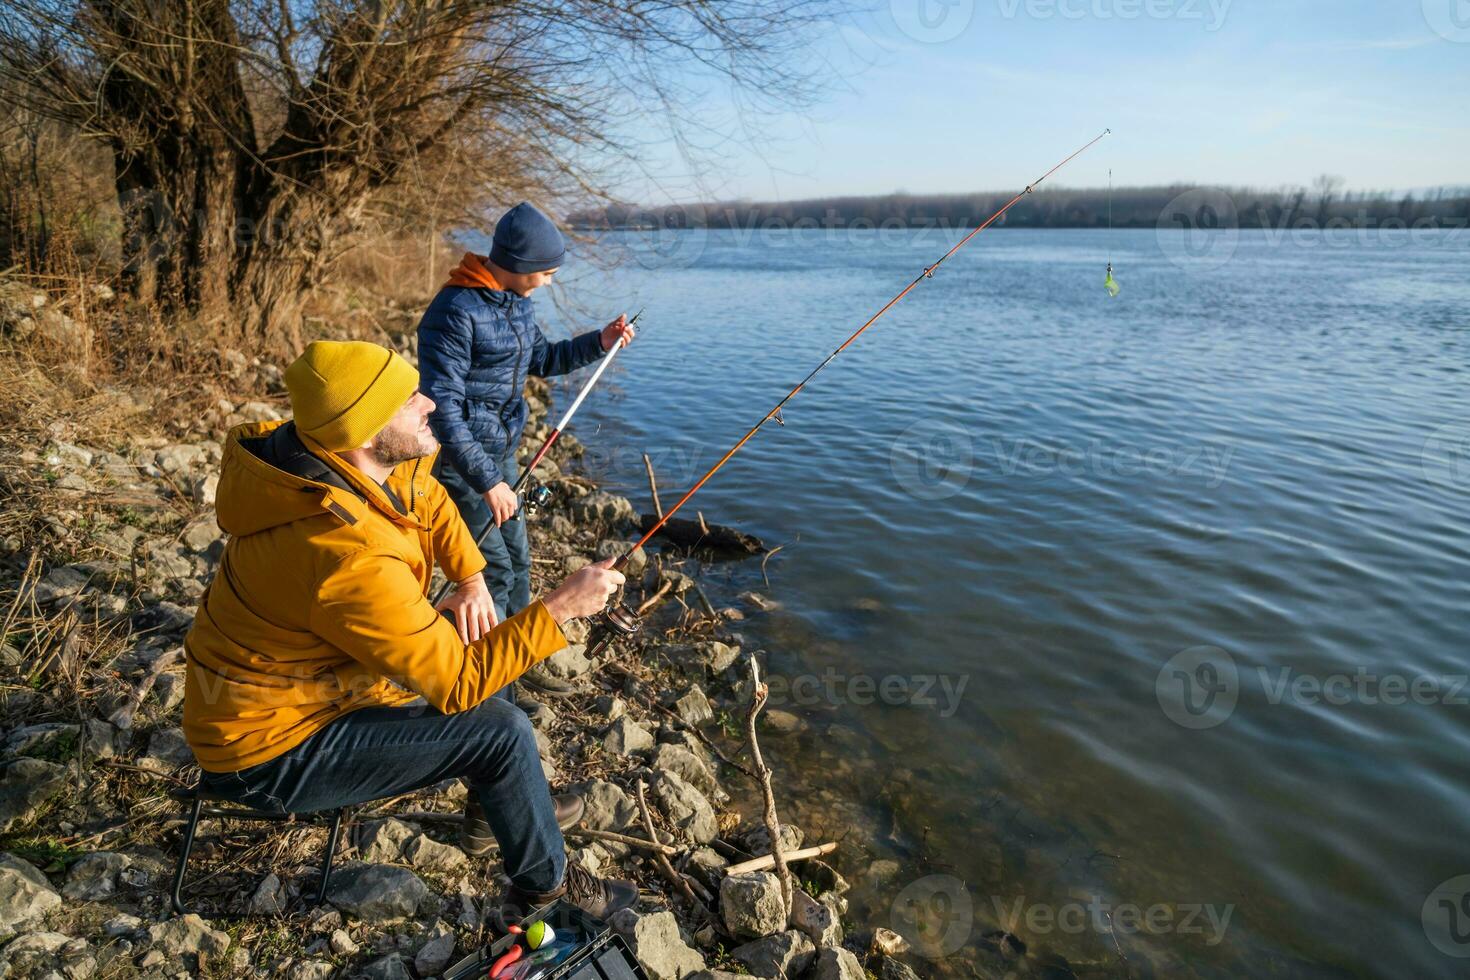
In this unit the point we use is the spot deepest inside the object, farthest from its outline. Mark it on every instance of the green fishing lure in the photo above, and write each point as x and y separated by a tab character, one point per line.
1111	284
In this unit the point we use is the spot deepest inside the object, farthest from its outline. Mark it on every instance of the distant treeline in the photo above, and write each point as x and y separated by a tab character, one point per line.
1322	205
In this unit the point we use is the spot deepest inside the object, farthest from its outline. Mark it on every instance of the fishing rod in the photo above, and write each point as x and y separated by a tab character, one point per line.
540	495
622	620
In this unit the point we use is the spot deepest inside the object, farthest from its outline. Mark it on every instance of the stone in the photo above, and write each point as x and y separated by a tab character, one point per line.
189	936
425	852
695	660
782	722
94	877
612	548
567	663
694	708
656	942
34	955
892	969
815	919
382	841
690	767
625	737
57	328
310	970
48	740
122	924
204	489
609	707
434	955
391	967
180	458
889	943
26	785
168	693
786	954
757	839
377	893
603	507
678	582
200	535
26	895
685	806
163	617
883	869
167	750
751	905
837	963
608	807
340	943
269	898
260	412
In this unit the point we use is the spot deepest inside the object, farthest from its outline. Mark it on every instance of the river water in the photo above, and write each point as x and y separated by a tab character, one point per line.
1135	628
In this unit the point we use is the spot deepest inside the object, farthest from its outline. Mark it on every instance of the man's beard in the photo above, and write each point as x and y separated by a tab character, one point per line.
391	448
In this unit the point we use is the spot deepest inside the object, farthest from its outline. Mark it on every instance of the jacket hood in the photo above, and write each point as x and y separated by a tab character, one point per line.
255	496
472	272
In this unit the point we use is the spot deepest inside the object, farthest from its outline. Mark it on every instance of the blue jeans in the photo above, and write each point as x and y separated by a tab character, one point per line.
506	550
377	752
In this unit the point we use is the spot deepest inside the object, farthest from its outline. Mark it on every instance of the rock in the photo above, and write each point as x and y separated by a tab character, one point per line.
189	936
382	841
204	489
787	954
573	563
309	970
340	943
679	582
51	740
883	869
425	852
838	964
609	707
608	807
685	806
892	969
270	897
816	920
708	865
696	660
26	895
26	785
167	750
605	508
99	740
163	617
260	412
751	905
435	954
60	583
168	692
782	722
94	877
656	942
377	893
390	967
757	840
40	954
694	708
57	328
122	924
180	458
201	534
889	943
568	663
690	767
637	560
625	737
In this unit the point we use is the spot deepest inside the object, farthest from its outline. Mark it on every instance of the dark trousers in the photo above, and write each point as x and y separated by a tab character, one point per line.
377	752
506	550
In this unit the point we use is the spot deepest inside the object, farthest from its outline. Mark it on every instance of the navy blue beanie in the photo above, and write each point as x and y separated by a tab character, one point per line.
527	241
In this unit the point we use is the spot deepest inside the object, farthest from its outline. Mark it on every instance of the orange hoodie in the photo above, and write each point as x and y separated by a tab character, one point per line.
319	608
472	272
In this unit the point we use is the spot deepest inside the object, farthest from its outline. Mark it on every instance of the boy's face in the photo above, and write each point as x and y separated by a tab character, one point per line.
525	283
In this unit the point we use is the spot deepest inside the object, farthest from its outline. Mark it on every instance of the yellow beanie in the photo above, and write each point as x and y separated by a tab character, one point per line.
344	392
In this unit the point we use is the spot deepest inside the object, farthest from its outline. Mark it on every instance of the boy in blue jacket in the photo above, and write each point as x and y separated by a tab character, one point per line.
478	341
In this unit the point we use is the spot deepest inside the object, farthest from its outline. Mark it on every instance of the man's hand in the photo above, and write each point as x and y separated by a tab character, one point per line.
585	592
619	329
472	607
502	502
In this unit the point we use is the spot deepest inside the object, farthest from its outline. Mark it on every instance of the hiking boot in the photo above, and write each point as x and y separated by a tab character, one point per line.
598	897
476	839
539	680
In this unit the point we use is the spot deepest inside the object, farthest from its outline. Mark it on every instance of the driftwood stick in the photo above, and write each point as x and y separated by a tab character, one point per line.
123	716
659	858
766	860
658	508
639	842
763	773
654	599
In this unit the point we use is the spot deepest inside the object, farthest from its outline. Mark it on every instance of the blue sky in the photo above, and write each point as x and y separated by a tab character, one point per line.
959	95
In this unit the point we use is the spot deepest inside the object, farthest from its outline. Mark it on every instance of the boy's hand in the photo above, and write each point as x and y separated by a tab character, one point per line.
619	329
472	607
585	592
502	502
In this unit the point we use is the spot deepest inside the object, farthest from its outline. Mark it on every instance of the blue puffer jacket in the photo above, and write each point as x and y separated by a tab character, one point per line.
476	347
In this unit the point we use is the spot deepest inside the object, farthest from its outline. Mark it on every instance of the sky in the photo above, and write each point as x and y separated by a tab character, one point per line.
934	96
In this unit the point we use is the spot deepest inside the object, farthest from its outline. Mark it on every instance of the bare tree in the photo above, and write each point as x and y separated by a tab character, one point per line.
253	139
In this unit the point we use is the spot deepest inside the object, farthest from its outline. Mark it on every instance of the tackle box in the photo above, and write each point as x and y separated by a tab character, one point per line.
601	954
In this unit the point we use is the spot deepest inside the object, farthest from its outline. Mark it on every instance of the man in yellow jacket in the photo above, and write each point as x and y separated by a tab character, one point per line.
316	638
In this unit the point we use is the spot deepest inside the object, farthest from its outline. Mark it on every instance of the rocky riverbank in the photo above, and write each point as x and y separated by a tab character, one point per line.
100	587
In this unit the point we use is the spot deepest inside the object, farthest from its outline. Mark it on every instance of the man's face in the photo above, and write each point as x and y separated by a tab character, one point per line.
407	435
525	283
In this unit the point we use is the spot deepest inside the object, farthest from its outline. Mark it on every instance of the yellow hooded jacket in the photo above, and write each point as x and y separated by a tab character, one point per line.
320	607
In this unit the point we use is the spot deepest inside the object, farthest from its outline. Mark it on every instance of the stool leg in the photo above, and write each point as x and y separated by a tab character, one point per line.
332	835
176	896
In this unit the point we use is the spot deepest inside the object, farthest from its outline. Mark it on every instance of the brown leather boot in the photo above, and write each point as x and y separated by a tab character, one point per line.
598	897
477	840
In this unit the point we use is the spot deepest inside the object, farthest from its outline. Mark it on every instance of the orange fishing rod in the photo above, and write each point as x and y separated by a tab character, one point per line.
622	620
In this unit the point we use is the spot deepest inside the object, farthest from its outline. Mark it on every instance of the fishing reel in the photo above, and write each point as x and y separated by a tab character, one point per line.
539	495
616	623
